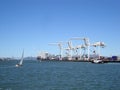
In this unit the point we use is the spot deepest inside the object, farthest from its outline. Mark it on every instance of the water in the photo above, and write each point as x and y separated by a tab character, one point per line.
34	75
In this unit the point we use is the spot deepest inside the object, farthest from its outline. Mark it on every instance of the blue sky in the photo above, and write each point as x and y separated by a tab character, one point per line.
32	24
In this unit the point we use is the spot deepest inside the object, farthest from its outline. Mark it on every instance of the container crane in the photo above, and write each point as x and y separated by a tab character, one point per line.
99	44
86	43
70	49
60	47
80	48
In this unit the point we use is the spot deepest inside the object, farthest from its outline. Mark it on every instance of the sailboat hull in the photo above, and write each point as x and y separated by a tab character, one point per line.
18	65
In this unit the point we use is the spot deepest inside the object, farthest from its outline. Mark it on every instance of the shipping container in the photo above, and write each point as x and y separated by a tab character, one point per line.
114	57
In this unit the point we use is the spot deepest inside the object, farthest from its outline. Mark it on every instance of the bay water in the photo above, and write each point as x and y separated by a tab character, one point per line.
59	75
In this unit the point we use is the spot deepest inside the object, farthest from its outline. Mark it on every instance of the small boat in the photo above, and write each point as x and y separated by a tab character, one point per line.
98	61
21	60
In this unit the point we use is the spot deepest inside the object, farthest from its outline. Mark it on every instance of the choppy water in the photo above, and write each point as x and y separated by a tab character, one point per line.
34	75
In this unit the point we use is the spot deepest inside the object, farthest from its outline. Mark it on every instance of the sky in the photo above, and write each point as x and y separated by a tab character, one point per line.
33	24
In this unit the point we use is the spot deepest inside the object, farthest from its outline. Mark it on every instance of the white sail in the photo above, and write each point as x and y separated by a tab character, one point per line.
21	61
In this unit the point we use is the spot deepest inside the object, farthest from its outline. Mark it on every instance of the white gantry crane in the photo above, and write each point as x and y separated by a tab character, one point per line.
60	47
70	50
86	45
79	51
99	44
80	48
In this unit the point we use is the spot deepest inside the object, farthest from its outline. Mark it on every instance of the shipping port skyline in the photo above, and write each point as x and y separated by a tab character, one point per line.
31	25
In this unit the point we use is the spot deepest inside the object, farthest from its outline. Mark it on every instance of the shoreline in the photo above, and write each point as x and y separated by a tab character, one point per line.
105	61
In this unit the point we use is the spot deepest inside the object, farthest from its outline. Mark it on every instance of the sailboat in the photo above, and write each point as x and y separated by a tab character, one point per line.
21	60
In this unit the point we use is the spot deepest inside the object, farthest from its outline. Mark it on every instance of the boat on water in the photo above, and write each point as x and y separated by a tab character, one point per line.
97	61
21	60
